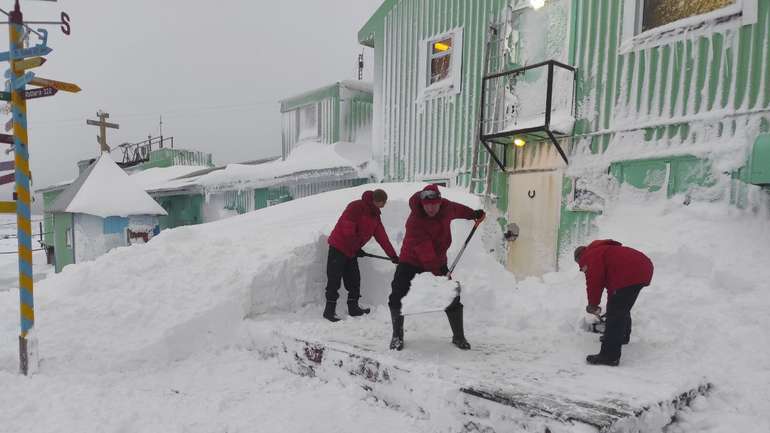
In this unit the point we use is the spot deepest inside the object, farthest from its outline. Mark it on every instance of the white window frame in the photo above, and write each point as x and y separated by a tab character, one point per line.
744	11
300	129
452	85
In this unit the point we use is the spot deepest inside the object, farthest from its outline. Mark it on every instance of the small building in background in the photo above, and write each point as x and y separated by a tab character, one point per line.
101	210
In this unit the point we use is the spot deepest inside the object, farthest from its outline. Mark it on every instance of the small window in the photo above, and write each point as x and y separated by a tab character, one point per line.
658	13
68	238
440	60
441	65
308	122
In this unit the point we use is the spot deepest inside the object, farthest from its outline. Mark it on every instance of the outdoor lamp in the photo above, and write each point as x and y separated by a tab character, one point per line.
537	4
519	142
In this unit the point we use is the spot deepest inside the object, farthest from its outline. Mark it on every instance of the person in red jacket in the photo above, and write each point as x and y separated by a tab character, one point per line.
427	239
358	223
624	272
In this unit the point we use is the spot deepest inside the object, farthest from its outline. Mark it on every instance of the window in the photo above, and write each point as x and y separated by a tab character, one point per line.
440	65
68	238
649	23
656	13
440	60
308	122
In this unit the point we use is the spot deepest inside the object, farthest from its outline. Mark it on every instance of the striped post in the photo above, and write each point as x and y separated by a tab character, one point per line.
23	216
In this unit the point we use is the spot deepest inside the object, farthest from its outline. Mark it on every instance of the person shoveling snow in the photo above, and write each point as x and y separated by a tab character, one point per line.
624	272
427	239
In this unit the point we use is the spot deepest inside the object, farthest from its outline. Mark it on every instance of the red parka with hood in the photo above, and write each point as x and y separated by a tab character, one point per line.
356	226
607	263
427	239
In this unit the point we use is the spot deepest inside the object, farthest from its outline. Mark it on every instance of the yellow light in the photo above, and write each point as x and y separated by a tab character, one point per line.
537	4
440	46
518	142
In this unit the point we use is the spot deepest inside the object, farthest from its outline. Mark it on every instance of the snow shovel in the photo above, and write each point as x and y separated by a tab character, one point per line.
365	254
458	288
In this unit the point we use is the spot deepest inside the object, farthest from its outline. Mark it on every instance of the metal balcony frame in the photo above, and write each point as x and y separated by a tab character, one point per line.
546	128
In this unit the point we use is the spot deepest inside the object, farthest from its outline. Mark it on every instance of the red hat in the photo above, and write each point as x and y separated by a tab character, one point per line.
430	194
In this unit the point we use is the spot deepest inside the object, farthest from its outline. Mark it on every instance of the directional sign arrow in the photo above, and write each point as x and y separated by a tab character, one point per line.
8	139
31	93
8	178
21	53
60	85
6	165
7	207
105	124
33	62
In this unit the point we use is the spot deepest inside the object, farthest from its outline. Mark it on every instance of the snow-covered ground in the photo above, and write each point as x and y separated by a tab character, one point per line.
163	336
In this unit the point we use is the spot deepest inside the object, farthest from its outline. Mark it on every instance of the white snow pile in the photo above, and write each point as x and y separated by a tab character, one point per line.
429	294
307	155
156	337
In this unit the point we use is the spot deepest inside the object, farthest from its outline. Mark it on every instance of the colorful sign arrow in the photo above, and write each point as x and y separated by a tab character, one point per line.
60	85
7	207
22	53
7	178
31	93
33	62
7	139
6	165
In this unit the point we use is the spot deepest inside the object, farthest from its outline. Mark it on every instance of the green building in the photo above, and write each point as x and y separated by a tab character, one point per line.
533	107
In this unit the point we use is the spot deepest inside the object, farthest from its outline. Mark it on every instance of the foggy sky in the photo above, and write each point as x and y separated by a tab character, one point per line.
215	70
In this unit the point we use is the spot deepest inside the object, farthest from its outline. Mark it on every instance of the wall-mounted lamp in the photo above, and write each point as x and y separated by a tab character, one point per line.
537	4
519	142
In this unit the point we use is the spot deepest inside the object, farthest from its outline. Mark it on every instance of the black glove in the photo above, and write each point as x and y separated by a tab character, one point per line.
479	214
594	309
394	260
361	253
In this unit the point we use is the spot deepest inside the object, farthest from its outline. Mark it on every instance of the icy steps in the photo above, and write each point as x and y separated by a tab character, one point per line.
458	399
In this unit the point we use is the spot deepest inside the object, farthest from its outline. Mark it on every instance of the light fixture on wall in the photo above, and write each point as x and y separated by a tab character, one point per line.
519	142
537	4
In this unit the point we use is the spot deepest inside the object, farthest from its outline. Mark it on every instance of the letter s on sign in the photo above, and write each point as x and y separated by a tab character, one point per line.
65	24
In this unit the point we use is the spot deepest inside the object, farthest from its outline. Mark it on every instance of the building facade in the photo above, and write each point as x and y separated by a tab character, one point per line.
542	110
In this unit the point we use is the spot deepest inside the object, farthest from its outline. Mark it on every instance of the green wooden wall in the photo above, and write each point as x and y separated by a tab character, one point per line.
182	210
63	255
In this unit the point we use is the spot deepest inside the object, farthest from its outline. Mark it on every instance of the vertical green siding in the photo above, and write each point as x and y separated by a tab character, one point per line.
182	210
433	138
48	219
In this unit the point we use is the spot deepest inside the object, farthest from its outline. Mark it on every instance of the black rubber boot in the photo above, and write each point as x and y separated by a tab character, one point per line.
329	313
455	315
600	359
355	310
397	342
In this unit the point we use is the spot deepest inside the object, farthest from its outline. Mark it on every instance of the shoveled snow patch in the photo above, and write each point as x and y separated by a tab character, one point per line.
429	293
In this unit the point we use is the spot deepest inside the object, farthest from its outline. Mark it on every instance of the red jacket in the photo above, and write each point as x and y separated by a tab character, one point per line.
609	264
358	223
427	239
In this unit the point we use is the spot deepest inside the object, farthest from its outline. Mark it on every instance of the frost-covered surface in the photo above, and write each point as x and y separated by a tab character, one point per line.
176	351
107	191
157	177
9	264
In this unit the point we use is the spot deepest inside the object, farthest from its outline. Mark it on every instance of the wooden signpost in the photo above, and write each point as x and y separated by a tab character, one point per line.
21	59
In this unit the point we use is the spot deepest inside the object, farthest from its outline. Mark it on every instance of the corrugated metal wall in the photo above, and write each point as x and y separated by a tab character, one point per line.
707	84
328	115
433	139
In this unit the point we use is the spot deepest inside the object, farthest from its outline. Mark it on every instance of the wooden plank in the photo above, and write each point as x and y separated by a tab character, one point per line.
61	85
7	207
8	178
105	124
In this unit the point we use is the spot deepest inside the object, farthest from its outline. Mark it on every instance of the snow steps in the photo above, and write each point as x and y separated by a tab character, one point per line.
470	408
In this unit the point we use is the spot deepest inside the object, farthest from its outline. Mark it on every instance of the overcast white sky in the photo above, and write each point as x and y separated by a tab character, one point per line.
215	70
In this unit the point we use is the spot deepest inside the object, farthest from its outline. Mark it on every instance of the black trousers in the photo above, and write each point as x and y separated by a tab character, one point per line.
618	326
340	268
402	282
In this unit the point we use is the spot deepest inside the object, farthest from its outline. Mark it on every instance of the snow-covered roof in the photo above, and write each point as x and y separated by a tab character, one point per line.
105	190
155	177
